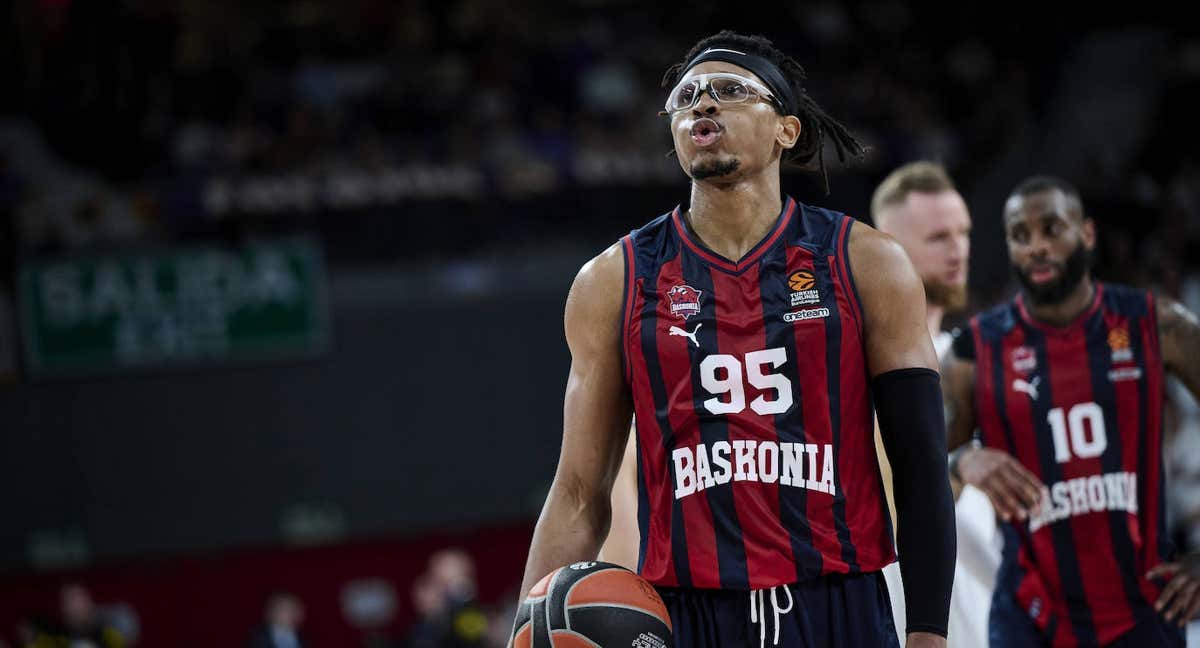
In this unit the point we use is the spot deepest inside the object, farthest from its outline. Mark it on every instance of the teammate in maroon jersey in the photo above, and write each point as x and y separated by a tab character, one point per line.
752	337
1066	385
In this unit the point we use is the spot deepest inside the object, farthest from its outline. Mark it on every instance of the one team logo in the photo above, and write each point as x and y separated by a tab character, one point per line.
685	301
1125	373
1024	360
806	314
802	284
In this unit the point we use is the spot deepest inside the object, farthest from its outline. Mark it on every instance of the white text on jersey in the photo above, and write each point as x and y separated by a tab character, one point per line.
789	464
1108	492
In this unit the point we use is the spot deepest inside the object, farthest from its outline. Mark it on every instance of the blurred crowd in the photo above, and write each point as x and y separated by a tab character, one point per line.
146	119
445	608
80	623
141	120
448	613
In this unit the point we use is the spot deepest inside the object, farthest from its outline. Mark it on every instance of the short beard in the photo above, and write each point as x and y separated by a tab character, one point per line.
1073	270
951	297
713	168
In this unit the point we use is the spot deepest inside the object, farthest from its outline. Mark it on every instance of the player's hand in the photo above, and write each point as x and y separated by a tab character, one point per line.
1014	491
924	640
1180	599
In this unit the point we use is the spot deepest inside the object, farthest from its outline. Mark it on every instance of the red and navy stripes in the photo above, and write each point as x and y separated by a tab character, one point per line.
789	426
724	508
1068	390
751	533
1091	562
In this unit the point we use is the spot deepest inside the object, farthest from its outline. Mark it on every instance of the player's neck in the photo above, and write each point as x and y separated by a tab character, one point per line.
933	319
732	219
1064	312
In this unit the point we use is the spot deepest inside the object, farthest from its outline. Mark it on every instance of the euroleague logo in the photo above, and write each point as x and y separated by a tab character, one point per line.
1118	341
802	284
685	301
801	280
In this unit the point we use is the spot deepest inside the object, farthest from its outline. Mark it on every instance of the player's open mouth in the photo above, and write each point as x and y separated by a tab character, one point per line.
705	131
1042	273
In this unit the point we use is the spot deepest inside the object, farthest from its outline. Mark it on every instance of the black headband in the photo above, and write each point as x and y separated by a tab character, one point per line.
765	69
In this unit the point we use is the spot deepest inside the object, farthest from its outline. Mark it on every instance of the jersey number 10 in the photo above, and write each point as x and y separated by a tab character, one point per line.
732	382
1075	420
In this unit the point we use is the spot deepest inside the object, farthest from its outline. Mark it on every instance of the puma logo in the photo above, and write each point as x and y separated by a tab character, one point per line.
675	330
1030	388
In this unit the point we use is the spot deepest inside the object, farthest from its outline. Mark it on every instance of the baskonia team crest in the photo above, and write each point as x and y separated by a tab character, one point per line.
685	301
1024	360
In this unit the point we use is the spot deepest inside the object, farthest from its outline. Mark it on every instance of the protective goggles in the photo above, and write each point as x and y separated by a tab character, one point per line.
723	87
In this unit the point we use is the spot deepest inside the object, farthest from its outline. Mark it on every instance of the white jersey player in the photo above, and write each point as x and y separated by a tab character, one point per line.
918	206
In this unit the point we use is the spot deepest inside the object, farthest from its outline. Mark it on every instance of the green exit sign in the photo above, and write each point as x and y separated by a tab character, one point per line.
261	301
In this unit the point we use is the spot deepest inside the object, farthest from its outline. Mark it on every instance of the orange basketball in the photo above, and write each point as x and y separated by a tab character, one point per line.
589	604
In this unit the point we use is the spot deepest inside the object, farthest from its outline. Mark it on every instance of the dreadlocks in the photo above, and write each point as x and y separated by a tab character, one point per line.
816	124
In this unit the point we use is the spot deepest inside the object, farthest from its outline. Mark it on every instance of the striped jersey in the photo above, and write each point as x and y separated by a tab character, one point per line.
756	457
1081	408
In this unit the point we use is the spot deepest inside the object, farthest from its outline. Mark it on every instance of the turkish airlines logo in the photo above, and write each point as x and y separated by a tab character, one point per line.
801	284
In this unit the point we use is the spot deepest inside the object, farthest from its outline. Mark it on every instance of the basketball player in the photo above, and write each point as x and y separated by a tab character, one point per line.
1065	383
919	206
750	336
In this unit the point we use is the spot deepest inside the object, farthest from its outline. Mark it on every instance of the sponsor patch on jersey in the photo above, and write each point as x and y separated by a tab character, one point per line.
802	284
806	314
685	301
1024	359
1125	373
1118	341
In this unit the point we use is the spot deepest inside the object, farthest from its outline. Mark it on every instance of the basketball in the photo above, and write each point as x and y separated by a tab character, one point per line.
589	604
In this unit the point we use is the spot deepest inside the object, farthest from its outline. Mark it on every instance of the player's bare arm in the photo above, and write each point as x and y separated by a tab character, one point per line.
958	389
596	415
893	303
621	545
903	366
1179	337
958	381
1013	490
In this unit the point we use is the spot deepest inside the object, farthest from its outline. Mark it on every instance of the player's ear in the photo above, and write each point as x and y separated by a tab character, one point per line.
788	131
1089	233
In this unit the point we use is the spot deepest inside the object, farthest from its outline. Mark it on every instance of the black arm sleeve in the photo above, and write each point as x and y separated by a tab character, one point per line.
912	425
963	344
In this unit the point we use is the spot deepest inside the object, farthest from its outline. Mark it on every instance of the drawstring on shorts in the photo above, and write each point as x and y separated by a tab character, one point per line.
758	612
